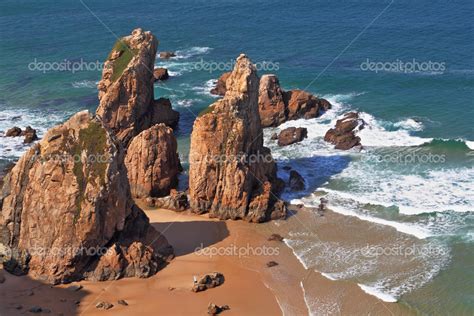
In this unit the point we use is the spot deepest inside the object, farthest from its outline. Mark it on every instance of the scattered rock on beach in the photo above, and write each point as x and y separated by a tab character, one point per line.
74	288
271	264
122	302
275	237
213	309
160	74
274	136
167	55
104	305
292	135
296	181
208	281
35	310
176	201
220	88
343	135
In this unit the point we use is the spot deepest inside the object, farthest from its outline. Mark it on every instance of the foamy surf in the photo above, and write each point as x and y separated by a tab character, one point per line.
191	52
374	291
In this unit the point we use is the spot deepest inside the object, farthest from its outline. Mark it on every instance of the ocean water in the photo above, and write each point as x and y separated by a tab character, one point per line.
407	66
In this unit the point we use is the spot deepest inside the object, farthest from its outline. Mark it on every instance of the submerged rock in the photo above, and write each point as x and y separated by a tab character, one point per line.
30	135
232	175
167	55
152	162
67	212
292	135
127	104
13	132
296	181
343	135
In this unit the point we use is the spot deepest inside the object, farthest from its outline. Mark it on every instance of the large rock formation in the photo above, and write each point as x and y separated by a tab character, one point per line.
152	162
343	135
67	202
231	174
277	106
126	97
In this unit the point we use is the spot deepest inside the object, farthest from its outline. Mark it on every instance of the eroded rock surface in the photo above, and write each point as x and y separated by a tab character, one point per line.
220	87
292	135
152	162
232	176
343	135
127	105
67	212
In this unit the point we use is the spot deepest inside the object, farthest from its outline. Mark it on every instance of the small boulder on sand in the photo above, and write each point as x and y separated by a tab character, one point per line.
208	281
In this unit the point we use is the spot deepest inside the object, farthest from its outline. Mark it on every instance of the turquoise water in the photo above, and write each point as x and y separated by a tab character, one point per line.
320	46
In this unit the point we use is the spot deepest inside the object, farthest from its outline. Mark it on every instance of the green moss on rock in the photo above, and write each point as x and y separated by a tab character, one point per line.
126	54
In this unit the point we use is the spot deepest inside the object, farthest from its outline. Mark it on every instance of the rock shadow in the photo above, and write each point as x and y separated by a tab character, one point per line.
187	237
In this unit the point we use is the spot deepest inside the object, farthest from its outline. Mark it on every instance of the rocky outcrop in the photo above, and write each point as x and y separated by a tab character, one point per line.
271	103
220	87
301	104
127	105
160	74
296	181
292	135
67	212
232	176
167	55
29	134
152	162
208	281
343	135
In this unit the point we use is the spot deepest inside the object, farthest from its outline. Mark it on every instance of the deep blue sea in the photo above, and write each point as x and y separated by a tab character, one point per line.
407	66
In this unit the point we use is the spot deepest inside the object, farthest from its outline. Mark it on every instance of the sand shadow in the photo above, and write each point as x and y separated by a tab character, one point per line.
20	294
187	237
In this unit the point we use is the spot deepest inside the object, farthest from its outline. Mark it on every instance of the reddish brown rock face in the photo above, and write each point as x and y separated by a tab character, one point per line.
302	104
152	162
292	135
126	97
160	74
271	105
220	88
343	134
232	176
67	198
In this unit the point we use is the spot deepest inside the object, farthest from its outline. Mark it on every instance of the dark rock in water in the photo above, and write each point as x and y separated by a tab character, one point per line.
35	309
208	281
176	201
13	132
296	181
302	104
160	74
343	135
220	88
275	237
292	135
30	135
104	305
274	136
271	264
122	302
287	168
213	309
167	55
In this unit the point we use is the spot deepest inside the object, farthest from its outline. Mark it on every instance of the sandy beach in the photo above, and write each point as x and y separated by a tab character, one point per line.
202	245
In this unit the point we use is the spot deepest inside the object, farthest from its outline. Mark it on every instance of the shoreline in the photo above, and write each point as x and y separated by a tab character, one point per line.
250	287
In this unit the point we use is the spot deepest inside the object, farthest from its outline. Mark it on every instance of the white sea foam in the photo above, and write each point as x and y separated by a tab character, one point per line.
205	89
470	144
85	84
410	125
191	52
374	291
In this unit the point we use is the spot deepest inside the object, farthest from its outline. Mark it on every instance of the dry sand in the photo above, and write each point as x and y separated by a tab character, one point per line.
250	287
